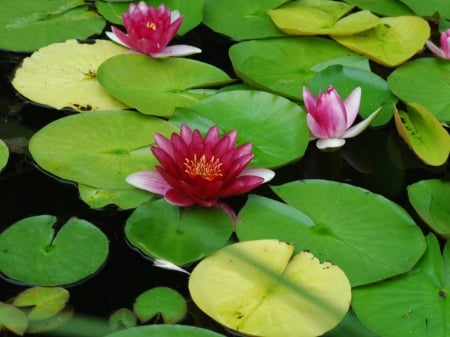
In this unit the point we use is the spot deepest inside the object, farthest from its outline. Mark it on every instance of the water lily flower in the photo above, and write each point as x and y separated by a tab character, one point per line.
330	118
200	171
444	50
149	30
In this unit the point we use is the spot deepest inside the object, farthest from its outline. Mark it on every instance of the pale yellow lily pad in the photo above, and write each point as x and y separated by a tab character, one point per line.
313	17
63	75
257	288
393	41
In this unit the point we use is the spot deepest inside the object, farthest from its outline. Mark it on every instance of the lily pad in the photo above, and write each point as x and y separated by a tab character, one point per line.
163	303
165	330
339	223
430	200
29	25
12	319
257	288
313	17
45	302
425	81
429	8
241	20
414	304
157	86
99	149
4	154
182	236
259	118
392	42
33	251
383	7
423	133
284	65
63	75
122	318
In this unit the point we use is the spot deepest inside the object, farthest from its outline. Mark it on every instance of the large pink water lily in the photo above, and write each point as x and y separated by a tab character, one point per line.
149	31
200	171
444	50
330	118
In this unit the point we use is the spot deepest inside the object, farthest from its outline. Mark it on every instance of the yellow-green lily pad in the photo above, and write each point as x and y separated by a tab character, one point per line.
4	154
12	319
63	75
257	288
393	41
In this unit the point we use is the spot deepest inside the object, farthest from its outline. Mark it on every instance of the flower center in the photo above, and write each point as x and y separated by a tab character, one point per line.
151	25
207	169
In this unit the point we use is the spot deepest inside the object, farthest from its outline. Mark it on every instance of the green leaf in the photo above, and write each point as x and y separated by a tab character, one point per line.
259	289
338	223
414	304
122	319
4	154
46	302
275	65
423	133
157	86
12	319
425	81
29	25
383	7
99	149
182	236
259	118
166	330
165	303
430	200
63	75
429	8
33	251
392	42
241	20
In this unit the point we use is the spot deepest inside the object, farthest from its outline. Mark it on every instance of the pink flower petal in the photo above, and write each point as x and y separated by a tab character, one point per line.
176	198
264	173
330	143
351	104
361	126
150	181
435	49
177	50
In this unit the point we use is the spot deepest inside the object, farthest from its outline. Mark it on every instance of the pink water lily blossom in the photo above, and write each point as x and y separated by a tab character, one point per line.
194	170
444	50
149	31
330	118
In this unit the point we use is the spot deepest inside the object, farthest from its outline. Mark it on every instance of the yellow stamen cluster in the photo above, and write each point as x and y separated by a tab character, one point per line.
207	169
150	25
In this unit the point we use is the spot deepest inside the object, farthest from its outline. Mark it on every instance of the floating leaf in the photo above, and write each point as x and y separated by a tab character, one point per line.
157	86
33	251
425	81
63	75
337	222
161	302
430	200
4	154
182	235
414	304
423	133
259	118
275	65
165	330
12	319
393	41
429	8
255	287
122	319
383	7
29	25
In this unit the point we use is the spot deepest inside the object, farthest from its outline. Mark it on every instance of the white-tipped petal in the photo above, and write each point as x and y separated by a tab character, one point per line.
264	173
435	49
169	265
113	37
351	104
177	50
149	180
330	143
361	126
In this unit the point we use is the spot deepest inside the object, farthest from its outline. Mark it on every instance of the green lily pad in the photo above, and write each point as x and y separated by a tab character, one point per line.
338	223
375	91
29	25
46	302
122	318
392	42
429	8
157	86
166	330
423	133
161	302
12	319
99	149
33	251
63	75
4	154
192	11
275	65
414	304
241	20
383	7
430	200
182	236
259	118
425	81
313	17
259	289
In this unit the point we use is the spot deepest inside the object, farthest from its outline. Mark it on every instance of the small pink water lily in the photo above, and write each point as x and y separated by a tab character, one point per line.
149	31
199	171
444	50
330	118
